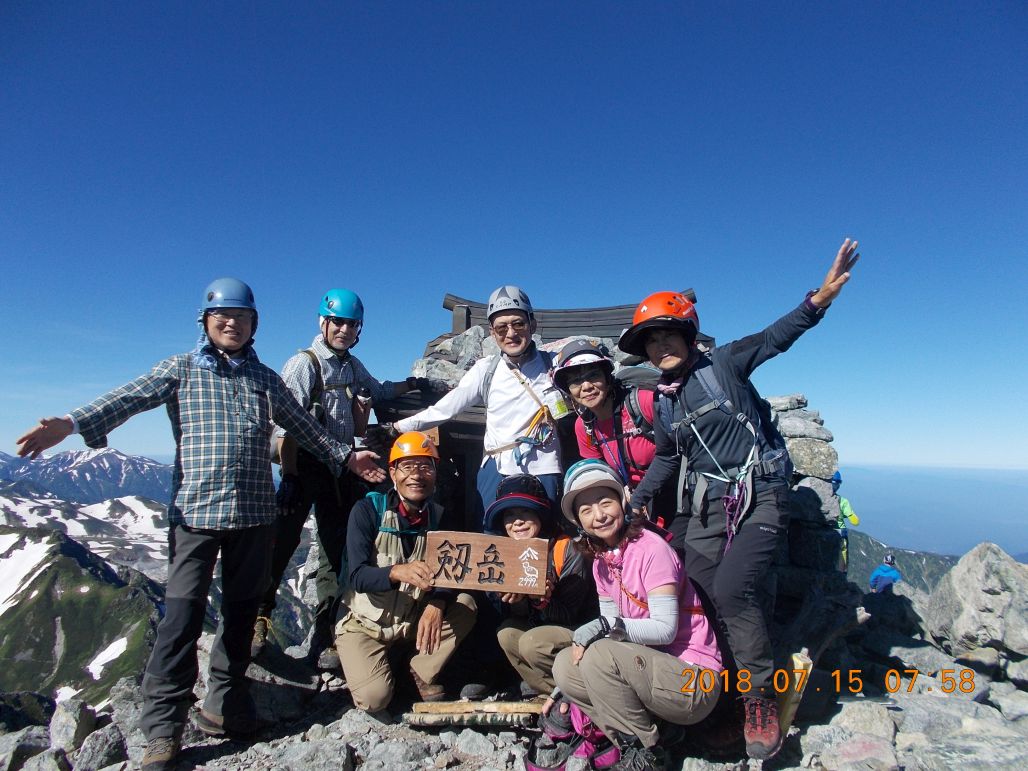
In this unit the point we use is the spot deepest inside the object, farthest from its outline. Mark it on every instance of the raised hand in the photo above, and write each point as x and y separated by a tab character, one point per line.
49	432
362	463
838	274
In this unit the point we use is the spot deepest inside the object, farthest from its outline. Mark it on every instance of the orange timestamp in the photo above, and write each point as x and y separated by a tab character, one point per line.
851	680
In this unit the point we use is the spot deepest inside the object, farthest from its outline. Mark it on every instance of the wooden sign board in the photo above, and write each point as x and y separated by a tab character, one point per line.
489	563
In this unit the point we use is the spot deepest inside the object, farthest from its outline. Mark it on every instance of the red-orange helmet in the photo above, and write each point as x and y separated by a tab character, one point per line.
413	444
667	310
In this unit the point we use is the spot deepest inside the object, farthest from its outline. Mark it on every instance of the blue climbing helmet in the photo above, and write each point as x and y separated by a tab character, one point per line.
228	293
836	482
585	475
343	304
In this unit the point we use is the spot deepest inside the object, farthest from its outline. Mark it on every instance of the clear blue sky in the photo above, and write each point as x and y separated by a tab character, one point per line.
591	152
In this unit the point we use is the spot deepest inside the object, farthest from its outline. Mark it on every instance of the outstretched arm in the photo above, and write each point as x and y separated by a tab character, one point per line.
838	274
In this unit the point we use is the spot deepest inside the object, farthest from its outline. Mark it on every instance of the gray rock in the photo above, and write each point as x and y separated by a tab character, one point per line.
448	738
101	749
812	416
394	754
814	546
315	755
438	369
814	501
982	602
867	719
908	653
812	457
1017	672
72	722
989	661
53	759
18	746
938	715
790	402
792	426
862	752
473	743
1013	705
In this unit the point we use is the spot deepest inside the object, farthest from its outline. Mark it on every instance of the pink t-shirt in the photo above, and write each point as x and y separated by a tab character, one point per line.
603	444
645	564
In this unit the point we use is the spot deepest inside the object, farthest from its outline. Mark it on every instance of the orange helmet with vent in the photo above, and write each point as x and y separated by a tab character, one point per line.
667	310
413	444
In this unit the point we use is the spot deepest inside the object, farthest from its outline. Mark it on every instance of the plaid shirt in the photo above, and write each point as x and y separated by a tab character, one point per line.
221	417
341	377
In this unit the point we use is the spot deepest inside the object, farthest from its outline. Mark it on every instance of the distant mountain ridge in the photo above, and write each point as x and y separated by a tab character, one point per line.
91	476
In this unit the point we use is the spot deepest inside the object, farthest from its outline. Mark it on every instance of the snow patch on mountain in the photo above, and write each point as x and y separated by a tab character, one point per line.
19	568
106	656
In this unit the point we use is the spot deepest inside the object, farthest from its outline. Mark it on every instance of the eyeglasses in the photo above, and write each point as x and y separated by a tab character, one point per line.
224	316
593	375
518	326
340	322
423	468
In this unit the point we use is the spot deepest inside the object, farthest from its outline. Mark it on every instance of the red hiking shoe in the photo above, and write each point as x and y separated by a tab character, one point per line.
763	739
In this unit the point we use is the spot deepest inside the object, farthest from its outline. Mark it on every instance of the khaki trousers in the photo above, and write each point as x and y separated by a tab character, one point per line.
623	687
365	660
532	650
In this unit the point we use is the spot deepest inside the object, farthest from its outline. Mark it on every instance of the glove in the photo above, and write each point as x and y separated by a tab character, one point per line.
289	493
430	385
589	633
379	438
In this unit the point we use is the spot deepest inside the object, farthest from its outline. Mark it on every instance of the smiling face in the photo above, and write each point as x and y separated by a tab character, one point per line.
229	329
588	385
340	334
520	523
666	349
512	331
600	513
414	479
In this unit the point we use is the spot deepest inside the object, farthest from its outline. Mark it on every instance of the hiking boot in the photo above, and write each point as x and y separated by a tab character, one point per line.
527	692
475	691
763	739
261	630
218	725
160	753
427	691
635	757
598	756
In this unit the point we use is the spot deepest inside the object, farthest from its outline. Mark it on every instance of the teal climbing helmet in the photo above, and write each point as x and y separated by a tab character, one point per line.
342	304
585	475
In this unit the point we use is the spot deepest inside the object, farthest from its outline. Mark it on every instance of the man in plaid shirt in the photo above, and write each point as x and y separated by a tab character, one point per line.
222	403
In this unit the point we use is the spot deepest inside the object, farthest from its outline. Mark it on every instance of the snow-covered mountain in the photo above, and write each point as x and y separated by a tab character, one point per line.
91	476
68	619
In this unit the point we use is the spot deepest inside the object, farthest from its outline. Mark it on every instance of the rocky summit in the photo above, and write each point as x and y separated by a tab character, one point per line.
932	676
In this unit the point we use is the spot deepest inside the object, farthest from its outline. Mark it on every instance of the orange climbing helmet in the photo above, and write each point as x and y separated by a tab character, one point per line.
667	310
413	444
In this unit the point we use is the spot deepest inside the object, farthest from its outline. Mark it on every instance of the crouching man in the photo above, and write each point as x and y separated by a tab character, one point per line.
390	599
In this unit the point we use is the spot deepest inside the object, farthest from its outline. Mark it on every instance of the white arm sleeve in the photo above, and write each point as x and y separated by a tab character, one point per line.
662	625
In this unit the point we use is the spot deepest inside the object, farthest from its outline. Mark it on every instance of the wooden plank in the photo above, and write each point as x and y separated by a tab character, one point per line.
481	707
487	562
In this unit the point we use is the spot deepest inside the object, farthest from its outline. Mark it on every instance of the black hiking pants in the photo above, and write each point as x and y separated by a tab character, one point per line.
737	583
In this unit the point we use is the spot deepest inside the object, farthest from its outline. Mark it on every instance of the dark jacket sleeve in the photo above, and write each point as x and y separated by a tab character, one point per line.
574	596
748	353
361	531
665	463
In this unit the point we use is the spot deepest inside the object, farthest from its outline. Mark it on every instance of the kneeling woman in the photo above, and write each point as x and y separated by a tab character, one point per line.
646	659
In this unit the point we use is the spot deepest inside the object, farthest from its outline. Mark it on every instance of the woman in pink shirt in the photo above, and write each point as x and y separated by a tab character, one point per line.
650	660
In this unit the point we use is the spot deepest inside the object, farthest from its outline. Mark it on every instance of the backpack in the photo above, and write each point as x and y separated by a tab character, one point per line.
316	410
634	379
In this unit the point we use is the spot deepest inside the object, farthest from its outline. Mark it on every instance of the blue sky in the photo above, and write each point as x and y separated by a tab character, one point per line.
591	152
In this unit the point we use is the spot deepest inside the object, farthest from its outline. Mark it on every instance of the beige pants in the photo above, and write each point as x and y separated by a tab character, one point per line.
623	686
366	663
532	650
